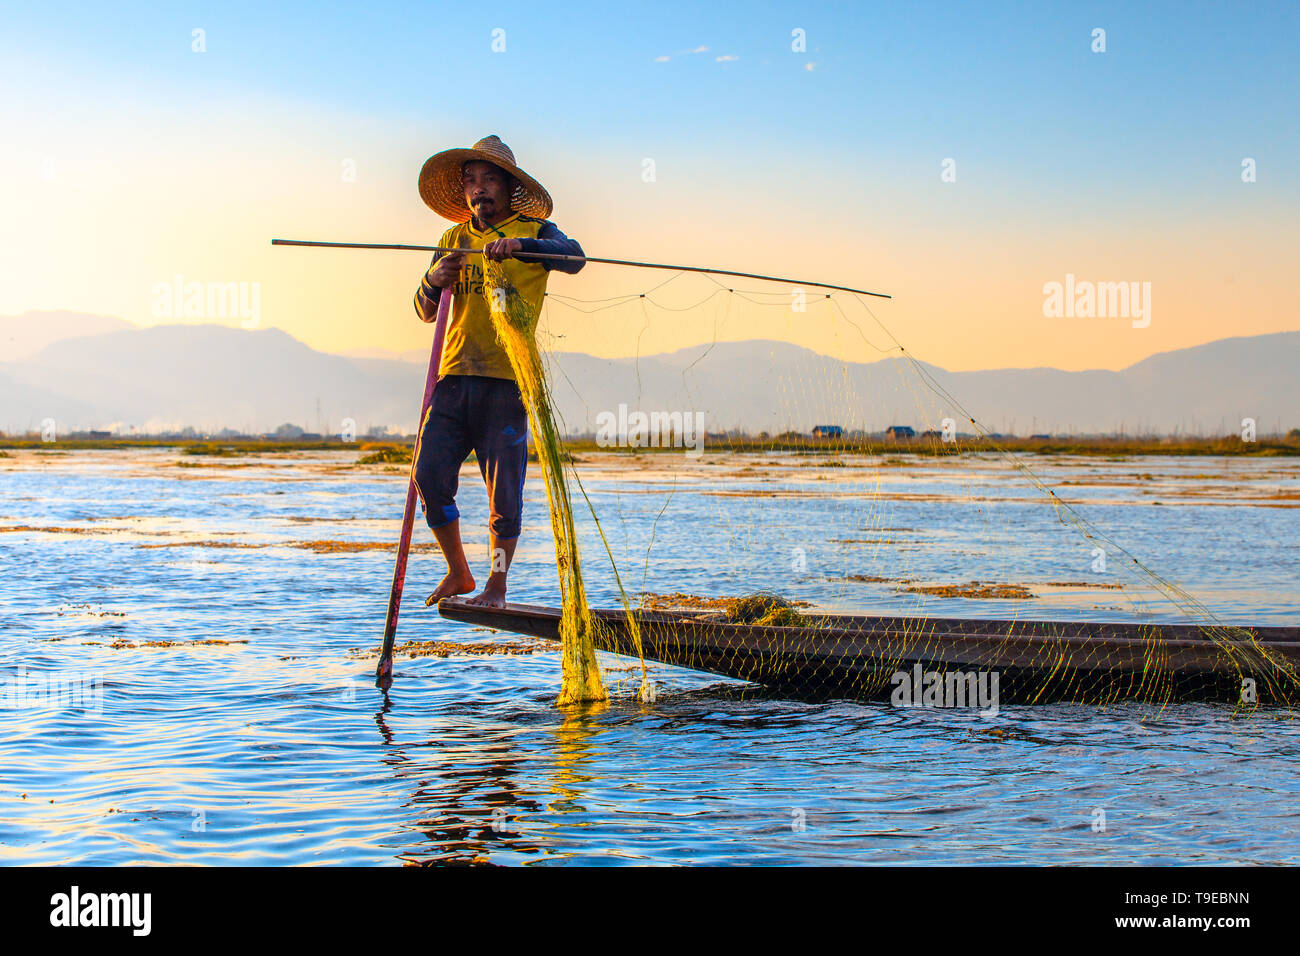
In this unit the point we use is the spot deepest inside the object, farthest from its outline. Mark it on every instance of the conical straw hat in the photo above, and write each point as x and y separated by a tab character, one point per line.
443	190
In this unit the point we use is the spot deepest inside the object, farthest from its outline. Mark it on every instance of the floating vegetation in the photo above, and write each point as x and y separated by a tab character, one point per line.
202	544
681	601
85	609
778	493
872	579
974	590
348	547
216	451
319	547
51	529
121	644
412	649
763	609
387	455
1099	585
214	464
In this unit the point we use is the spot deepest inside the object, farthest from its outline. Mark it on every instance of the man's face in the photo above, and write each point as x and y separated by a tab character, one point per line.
487	190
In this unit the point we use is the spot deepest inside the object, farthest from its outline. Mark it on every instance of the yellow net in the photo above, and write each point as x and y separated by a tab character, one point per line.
515	323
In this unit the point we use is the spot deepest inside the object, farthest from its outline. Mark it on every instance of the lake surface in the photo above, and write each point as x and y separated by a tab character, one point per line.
258	737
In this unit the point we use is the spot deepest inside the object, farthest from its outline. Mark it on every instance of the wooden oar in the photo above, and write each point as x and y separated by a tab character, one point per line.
384	672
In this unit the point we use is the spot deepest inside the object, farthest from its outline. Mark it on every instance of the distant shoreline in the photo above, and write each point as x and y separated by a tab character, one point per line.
926	446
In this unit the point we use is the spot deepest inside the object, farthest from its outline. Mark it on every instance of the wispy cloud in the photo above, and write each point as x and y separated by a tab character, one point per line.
726	58
664	58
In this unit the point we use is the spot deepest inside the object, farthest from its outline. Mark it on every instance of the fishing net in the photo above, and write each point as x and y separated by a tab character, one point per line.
762	497
515	322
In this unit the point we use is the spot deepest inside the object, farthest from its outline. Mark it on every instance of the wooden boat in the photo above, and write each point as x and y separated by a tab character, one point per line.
871	657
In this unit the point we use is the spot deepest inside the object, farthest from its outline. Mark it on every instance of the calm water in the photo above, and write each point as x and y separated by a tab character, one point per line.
275	748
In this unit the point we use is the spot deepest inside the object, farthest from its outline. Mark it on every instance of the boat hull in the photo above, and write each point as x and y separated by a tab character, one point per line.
872	658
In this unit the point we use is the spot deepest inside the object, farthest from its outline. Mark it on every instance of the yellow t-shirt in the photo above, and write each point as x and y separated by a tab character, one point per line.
471	345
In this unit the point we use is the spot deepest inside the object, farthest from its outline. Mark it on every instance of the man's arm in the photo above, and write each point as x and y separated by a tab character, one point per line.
426	297
442	272
551	240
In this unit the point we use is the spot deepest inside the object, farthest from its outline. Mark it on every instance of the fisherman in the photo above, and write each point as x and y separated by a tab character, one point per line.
477	405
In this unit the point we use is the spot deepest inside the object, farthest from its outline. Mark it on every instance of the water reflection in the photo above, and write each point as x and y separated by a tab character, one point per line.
574	749
467	796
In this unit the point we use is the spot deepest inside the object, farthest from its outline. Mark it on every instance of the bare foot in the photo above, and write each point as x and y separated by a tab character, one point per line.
494	595
456	582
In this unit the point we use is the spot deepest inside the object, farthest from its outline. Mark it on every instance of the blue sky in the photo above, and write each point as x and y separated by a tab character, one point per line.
1010	78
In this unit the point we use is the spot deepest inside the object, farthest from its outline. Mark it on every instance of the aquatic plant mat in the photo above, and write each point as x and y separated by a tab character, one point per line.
1017	581
499	648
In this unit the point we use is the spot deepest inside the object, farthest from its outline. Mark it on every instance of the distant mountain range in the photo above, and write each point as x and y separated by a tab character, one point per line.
88	371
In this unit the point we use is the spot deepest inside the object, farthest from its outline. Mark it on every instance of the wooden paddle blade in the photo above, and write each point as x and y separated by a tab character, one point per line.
384	673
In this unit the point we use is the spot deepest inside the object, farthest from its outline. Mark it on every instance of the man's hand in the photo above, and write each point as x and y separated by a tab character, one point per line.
498	250
444	274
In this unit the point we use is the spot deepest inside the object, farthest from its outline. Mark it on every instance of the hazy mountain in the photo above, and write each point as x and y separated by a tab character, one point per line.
23	406
774	385
22	336
210	377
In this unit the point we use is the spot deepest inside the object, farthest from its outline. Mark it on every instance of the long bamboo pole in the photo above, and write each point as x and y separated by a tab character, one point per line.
557	256
384	671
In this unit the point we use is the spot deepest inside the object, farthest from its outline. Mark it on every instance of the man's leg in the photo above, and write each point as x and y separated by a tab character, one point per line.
503	553
444	446
501	445
459	579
